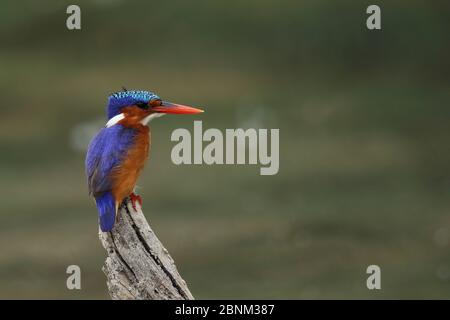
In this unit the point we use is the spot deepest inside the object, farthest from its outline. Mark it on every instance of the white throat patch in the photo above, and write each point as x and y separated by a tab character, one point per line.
149	118
114	120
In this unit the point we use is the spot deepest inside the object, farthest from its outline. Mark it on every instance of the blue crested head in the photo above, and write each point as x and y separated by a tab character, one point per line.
118	100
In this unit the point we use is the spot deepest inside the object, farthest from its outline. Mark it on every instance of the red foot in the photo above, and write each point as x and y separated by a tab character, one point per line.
134	197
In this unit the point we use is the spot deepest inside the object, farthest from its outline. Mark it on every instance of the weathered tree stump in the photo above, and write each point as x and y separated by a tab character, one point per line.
138	266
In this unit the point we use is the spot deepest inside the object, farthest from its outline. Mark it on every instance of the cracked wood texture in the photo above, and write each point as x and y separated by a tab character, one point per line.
138	266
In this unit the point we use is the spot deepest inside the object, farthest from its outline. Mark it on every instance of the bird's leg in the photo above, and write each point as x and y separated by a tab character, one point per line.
134	197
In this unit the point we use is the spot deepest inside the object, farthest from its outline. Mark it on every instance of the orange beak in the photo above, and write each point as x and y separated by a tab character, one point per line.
169	107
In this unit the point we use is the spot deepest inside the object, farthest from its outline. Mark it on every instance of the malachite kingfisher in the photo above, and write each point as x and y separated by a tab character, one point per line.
116	155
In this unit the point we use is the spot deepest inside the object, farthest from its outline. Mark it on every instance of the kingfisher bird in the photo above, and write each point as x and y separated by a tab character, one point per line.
117	154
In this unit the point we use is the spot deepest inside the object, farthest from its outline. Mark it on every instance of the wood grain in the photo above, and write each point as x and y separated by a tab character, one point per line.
138	266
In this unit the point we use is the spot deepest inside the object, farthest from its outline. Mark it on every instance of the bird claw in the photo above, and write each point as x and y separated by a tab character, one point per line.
135	198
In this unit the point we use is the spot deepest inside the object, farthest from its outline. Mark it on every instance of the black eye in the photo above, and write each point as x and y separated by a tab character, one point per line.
142	105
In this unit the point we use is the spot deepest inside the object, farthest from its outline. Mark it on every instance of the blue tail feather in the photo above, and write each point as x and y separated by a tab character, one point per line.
106	205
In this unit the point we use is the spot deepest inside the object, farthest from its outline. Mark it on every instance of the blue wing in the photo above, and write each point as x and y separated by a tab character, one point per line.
105	152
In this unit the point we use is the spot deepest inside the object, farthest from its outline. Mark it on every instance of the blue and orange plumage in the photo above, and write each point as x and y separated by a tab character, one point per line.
117	154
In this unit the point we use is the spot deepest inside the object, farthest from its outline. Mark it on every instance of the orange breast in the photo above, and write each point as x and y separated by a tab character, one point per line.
125	176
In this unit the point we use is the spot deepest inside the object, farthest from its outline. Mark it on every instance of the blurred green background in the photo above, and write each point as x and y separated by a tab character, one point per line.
364	144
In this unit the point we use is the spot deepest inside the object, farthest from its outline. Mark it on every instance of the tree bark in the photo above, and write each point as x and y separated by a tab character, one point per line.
138	266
